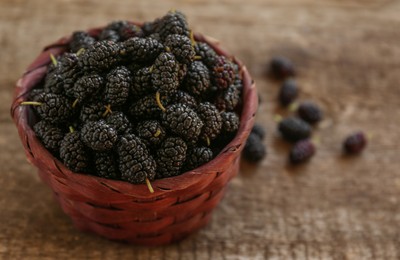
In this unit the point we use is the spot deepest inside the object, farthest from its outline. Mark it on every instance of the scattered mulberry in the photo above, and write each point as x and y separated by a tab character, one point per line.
54	108
141	49
254	150
50	135
165	73
212	121
98	136
230	122
102	55
310	112
87	85
73	152
117	86
355	143
223	73
171	157
228	99
80	40
258	130
106	165
183	121
281	68
142	82
174	22
301	152
151	132
208	56
198	156
197	80
294	129
135	162
181	46
119	122
288	92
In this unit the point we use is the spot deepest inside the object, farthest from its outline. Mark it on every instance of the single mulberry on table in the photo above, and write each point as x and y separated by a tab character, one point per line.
310	112
294	129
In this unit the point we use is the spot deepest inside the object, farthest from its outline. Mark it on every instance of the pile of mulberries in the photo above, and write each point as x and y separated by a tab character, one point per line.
137	103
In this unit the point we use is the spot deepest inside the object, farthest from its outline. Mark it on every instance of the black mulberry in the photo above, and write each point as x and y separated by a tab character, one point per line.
50	135
73	153
117	87
141	49
135	162
106	165
259	130
52	108
182	97
142	82
355	143
197	80
212	121
183	121
288	92
310	112
98	135
254	150
80	40
109	35
181	46
281	68
198	156
301	152
147	107
208	56
151	132
294	129
87	85
223	73
174	22
171	157
102	55
165	73
230	122
228	99
119	122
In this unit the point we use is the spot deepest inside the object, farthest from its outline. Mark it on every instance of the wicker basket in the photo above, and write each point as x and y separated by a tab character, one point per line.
122	211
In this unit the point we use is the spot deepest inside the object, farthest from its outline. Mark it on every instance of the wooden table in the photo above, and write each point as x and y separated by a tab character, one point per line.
348	56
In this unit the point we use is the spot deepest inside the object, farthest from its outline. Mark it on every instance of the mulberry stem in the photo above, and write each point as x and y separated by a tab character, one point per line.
71	129
149	185
31	103
192	40
108	110
80	51
197	57
208	141
160	105
75	103
158	132
53	59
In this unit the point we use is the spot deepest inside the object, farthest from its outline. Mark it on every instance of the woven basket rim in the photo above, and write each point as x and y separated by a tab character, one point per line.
162	187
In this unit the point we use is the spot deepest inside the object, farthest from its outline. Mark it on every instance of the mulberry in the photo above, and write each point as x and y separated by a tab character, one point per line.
151	132
106	165
171	157
73	153
50	135
142	82
223	73
98	135
183	121
119	122
228	99
230	122
355	143
181	46
281	68
80	40
197	80
258	130
100	56
147	107
165	73
294	129
174	22
93	111
212	121
87	85
208	56
141	49
198	156
109	35
254	150
135	162
310	112
301	152
288	92
117	86
183	98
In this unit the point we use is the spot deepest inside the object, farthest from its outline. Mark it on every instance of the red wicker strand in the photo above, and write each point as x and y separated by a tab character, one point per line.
122	211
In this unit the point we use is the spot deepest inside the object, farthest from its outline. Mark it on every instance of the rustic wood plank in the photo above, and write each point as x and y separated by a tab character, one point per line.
333	208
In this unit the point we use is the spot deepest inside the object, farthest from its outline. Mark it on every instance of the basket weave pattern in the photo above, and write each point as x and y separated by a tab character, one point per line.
122	211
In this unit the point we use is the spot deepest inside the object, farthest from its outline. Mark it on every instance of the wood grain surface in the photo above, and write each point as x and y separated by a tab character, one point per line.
335	207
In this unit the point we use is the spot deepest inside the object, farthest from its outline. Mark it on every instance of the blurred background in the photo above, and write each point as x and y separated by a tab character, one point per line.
347	56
